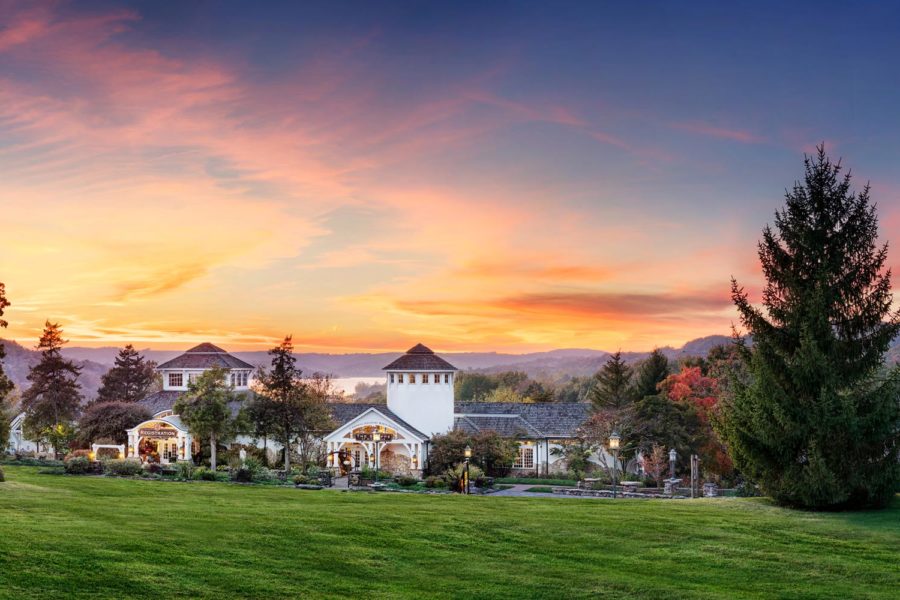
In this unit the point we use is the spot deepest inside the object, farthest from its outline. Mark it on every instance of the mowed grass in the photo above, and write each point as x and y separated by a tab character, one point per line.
92	537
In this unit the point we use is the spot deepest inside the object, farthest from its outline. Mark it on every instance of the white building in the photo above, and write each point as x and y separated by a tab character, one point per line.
420	404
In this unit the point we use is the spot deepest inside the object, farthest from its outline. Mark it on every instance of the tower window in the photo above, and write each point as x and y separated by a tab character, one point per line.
392	378
176	380
446	377
412	377
425	378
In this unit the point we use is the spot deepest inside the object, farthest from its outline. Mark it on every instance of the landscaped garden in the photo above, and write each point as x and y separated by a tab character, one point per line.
102	537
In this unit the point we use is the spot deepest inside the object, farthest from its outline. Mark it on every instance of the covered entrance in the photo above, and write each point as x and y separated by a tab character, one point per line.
400	450
162	440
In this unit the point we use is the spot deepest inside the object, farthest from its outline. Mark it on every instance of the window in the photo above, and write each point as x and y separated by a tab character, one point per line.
412	377
399	377
239	379
437	377
176	380
392	378
446	377
426	378
525	459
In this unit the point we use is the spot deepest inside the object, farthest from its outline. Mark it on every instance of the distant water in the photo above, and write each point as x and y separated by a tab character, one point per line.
348	384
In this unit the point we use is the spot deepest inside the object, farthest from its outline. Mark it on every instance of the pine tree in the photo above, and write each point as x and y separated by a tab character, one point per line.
129	380
52	402
612	384
652	372
298	408
206	409
816	422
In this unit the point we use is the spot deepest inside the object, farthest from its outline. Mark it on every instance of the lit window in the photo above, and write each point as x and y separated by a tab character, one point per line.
175	380
525	458
412	377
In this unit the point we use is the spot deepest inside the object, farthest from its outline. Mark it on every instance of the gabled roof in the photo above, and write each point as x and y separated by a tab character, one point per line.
420	358
540	420
343	413
205	356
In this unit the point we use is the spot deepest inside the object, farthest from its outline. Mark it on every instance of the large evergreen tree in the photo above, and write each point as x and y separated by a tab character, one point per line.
612	384
652	372
130	380
816	423
206	408
109	421
52	401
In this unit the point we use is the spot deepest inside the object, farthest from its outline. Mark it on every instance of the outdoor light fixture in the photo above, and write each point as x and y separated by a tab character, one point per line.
467	453
614	441
376	437
614	448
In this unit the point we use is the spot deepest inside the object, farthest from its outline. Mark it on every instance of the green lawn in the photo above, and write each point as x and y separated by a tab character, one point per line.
91	537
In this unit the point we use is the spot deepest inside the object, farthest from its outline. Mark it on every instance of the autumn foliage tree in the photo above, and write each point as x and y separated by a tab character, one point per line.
700	393
654	462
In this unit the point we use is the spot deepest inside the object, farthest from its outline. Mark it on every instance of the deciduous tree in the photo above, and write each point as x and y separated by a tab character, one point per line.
6	385
206	408
817	421
109	421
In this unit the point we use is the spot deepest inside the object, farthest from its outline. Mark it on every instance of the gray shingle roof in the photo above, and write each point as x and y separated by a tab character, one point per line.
205	356
342	413
420	358
550	419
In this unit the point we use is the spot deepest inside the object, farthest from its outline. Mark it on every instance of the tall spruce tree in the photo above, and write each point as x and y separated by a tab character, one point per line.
816	423
612	384
652	372
52	401
129	380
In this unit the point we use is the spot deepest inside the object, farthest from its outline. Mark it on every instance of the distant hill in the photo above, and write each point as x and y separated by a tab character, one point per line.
19	361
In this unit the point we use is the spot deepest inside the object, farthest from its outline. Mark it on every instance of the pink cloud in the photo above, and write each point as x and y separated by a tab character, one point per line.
736	135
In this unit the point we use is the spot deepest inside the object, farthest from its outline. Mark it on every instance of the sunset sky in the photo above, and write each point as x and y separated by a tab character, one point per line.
505	176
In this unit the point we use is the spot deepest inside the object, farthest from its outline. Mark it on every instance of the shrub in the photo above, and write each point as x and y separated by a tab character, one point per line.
128	467
300	479
77	465
433	481
77	454
204	474
184	470
454	476
242	475
2	476
407	481
154	468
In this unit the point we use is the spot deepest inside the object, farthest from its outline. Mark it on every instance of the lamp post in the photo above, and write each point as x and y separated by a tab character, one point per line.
614	448
468	454
672	457
376	437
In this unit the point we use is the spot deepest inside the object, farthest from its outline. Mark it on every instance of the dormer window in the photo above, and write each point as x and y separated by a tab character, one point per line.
176	380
